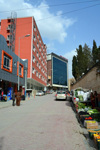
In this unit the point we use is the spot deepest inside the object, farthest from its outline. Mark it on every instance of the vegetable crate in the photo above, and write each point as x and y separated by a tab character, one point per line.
92	132
91	124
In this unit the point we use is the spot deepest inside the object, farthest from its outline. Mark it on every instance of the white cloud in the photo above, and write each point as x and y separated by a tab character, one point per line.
69	56
50	26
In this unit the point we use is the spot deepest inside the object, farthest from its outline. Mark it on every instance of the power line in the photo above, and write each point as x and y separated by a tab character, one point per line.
63	4
78	2
71	11
68	12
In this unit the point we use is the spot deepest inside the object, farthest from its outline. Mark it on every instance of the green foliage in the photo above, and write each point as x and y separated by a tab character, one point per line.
80	60
75	69
94	52
85	59
81	105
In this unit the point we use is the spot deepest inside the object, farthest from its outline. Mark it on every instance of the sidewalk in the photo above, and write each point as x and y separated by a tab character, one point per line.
5	104
8	103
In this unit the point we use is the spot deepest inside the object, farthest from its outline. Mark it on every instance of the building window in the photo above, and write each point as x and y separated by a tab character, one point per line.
39	57
37	73
37	35
10	26
6	62
60	73
21	69
14	63
40	40
33	48
10	47
10	37
40	49
33	59
37	54
37	63
39	66
34	28
9	20
33	70
34	37
37	44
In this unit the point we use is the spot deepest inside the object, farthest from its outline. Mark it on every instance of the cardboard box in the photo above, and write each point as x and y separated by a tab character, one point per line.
91	124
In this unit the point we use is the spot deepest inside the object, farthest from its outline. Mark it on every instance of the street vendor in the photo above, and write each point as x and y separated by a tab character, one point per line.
92	100
96	98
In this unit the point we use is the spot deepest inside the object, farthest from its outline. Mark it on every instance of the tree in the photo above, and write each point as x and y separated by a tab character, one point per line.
75	69
74	64
80	60
98	58
87	57
94	52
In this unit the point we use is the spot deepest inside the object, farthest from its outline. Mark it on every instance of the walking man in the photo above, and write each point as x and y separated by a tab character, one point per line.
13	99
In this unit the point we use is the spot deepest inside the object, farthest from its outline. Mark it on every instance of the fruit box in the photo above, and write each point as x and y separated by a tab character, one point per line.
91	124
92	132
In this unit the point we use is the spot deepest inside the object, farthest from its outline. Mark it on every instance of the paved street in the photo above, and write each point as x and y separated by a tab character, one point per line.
40	123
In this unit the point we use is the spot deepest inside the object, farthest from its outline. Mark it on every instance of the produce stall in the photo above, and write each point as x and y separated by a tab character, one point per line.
87	117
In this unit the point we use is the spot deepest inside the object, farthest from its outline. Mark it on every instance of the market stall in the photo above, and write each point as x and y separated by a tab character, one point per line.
87	116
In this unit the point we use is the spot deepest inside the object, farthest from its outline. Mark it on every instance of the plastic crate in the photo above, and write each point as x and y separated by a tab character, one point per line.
92	132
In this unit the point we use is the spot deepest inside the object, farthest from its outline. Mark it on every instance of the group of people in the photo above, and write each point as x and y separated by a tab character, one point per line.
16	97
94	99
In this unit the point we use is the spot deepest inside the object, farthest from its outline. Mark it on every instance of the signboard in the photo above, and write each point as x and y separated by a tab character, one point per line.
49	77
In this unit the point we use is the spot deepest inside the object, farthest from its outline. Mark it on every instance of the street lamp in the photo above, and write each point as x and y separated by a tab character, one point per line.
19	56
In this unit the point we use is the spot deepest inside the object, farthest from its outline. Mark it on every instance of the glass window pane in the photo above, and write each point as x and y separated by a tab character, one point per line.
59	72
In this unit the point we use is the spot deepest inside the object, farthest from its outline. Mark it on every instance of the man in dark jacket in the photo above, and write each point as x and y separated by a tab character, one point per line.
13	99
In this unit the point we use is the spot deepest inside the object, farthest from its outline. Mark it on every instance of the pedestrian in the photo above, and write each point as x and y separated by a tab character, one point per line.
92	100
13	99
99	100
96	98
28	95
18	98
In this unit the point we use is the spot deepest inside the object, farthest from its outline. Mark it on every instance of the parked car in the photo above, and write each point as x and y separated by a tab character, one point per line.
49	91
39	93
61	95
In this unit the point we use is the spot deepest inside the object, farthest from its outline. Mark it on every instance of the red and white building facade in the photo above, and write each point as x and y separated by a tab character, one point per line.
24	39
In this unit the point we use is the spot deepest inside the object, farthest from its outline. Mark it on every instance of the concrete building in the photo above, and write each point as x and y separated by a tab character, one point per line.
24	39
57	72
9	70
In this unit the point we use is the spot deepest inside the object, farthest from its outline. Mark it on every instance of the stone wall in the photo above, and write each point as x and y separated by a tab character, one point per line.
91	80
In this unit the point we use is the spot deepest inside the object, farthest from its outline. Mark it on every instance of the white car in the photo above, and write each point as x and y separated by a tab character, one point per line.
61	95
39	93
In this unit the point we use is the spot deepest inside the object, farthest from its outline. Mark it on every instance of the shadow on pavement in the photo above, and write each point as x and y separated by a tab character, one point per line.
1	143
90	142
68	104
60	100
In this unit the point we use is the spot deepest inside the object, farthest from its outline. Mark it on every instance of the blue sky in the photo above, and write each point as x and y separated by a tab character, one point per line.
63	25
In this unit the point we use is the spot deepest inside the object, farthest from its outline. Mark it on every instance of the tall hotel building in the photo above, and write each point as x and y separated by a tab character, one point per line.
24	39
57	71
